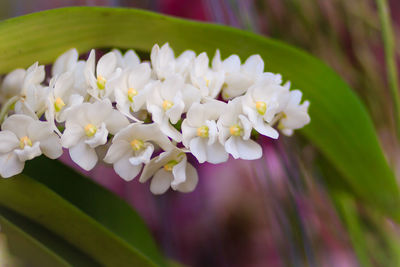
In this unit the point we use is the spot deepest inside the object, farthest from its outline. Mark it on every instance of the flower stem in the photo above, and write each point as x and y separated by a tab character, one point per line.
390	59
6	107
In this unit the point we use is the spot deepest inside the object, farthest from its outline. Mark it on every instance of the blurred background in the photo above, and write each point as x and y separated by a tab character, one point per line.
281	210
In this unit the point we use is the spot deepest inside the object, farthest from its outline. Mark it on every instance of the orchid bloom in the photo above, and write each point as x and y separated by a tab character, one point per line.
133	146
133	88
170	169
99	77
168	100
61	98
23	138
234	132
33	95
238	78
129	60
12	84
208	81
295	115
164	63
87	126
200	133
262	102
69	62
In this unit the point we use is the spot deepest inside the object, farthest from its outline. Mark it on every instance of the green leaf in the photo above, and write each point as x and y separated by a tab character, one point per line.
97	202
47	208
35	245
340	126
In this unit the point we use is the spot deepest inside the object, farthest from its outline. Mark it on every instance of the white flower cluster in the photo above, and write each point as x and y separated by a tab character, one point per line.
127	110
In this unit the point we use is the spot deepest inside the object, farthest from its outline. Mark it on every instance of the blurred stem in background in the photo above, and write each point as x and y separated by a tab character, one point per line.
390	59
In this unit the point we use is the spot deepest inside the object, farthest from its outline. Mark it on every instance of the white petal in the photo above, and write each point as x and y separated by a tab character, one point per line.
179	172
216	62
39	130
192	179
125	169
29	152
198	146
231	64
99	111
12	83
231	147
18	124
176	111
158	162
161	182
247	127
116	121
106	65
10	165
8	141
117	150
144	155
248	149
266	129
51	146
216	153
72	135
83	155
254	65
65	62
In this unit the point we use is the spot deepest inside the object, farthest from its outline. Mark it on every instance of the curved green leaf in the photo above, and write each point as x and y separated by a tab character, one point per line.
97	202
45	207
35	245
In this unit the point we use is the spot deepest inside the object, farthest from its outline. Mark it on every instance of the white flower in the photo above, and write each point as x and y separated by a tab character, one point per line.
200	133
129	60
133	146
164	63
106	71
65	62
33	95
208	81
23	138
294	116
12	84
61	97
87	127
132	89
168	100
170	169
262	102
234	132
238	78
69	62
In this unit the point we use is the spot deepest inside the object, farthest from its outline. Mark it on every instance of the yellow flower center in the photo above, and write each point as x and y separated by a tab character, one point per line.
25	141
202	131
167	105
90	130
101	82
137	144
207	81
170	165
58	104
261	107
131	93
235	130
